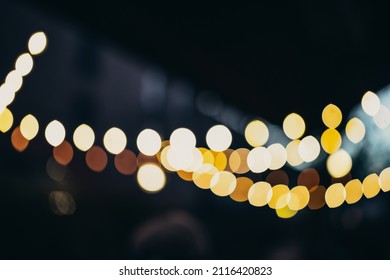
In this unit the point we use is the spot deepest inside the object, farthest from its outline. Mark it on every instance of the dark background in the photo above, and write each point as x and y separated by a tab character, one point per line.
266	59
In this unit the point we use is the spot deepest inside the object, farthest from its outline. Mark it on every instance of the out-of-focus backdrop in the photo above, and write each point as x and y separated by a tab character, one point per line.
139	65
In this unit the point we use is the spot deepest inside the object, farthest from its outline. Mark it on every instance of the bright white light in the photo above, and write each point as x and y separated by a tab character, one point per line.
382	118
14	81
370	103
259	159
183	139
115	140
149	142
24	64
151	178
219	138
55	133
309	148
278	156
37	43
83	137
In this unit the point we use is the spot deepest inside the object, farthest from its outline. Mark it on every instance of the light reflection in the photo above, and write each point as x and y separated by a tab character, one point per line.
63	153
62	203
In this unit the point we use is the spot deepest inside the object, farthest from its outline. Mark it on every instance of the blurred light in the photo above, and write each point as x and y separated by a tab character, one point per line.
55	133
197	161
6	120
238	161
149	142
63	153
208	156
164	159
29	127
293	157
278	192
370	103
309	178
317	197
115	140
7	96
294	126
96	159
151	178
260	194
143	159
382	118
277	177
332	116
37	43
83	137
285	212
202	177
371	186
24	64
62	203
354	191
331	140
223	183
355	130
14	81
55	171
220	161
278	156
384	179
335	195
339	164
18	141
183	139
180	159
240	193
259	159
299	198
186	176
256	133
309	148
219	138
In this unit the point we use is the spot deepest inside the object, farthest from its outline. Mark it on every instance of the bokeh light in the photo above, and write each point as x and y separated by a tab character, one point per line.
240	193
339	164
115	140
309	178
223	183
14	81
354	191
370	103
29	127
317	197
278	156
183	139
220	161
332	116
151	178
285	212
260	194
277	177
197	161
382	118
55	133
238	161
83	137
299	198
180	159
202	177
6	120
63	153
96	159
256	133
293	157
384	179
164	159
331	140
294	126
37	43
149	142
219	138
355	130
309	148
56	171
335	195
24	64
279	196
259	159
62	203
18	141
371	186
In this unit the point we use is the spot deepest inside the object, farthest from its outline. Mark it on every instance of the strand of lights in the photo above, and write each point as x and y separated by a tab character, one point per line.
213	168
